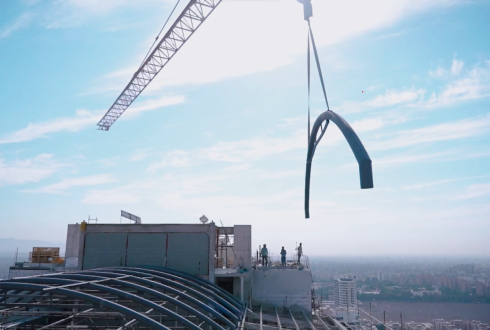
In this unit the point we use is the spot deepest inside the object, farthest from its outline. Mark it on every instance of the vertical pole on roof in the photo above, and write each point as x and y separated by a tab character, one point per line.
241	290
309	321
260	317
322	322
292	317
278	320
371	315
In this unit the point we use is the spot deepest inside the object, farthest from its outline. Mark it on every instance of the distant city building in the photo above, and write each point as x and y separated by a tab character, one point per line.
345	292
411	325
480	288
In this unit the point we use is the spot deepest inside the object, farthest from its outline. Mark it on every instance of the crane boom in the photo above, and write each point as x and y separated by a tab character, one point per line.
184	26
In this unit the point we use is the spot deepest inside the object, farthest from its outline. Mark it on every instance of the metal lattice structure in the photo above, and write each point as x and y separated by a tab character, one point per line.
117	298
194	14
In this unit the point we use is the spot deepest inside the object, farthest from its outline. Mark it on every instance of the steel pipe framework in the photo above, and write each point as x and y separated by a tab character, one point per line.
125	294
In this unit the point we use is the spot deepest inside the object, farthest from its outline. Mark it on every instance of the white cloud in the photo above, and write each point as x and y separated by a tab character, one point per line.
394	98
66	184
456	67
439	182
401	159
280	174
391	35
438	73
466	128
176	158
390	98
475	191
368	124
153	168
428	184
81	120
235	151
228	50
139	155
72	13
27	170
152	104
247	149
21	22
474	84
256	148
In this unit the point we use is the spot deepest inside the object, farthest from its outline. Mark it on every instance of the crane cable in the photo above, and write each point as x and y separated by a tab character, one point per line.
310	35
158	36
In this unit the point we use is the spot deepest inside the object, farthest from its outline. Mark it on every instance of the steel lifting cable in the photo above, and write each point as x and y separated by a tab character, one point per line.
159	33
317	64
309	85
310	35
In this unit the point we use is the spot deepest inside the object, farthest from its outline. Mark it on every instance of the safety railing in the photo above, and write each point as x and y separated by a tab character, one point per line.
274	260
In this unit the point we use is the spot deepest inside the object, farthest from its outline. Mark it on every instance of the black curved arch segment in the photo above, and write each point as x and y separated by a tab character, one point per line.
362	157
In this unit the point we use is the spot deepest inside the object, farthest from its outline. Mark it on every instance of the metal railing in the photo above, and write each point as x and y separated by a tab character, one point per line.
274	260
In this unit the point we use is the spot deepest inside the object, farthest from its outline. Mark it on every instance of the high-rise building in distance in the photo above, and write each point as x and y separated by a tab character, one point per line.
345	292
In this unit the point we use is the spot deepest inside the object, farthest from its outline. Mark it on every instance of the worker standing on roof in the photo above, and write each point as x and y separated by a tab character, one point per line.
264	254
283	257
300	253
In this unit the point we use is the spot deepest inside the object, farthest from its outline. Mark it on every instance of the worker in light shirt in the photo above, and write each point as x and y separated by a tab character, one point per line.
300	252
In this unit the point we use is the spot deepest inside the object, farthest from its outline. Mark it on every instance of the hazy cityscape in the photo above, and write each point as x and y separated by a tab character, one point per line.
422	289
437	293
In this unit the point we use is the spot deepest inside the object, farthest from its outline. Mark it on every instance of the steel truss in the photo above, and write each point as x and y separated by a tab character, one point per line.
186	24
117	298
258	317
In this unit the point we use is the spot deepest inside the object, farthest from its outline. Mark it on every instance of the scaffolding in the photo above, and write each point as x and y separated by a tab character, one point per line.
45	254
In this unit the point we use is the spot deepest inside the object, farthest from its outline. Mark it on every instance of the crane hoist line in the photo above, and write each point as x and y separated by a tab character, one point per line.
191	18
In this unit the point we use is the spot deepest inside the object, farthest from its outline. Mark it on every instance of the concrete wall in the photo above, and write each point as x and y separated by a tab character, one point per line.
243	251
74	243
243	245
104	250
279	288
194	255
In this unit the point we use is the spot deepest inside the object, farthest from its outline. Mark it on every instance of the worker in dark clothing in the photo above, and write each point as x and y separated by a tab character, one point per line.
283	257
264	254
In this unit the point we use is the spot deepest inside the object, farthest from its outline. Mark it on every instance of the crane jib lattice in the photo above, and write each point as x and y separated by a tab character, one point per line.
185	25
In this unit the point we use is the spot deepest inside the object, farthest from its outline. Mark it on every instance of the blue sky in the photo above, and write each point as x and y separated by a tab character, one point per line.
222	130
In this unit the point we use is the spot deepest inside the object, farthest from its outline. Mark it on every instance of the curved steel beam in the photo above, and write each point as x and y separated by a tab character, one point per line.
201	281
235	306
219	313
86	297
119	293
362	157
89	276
